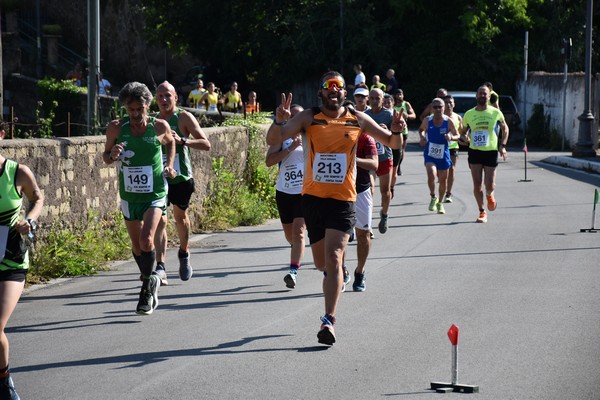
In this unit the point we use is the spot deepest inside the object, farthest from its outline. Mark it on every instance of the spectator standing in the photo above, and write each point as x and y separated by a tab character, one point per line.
390	84
233	99
211	99
104	86
194	99
252	106
377	84
359	76
76	74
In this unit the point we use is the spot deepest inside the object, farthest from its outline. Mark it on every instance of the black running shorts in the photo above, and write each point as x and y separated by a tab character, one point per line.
321	214
181	193
289	206
487	158
15	275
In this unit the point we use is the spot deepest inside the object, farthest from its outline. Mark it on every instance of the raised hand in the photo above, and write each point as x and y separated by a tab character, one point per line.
283	113
398	122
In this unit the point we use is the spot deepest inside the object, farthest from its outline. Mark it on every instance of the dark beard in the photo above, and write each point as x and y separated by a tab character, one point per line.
481	101
328	105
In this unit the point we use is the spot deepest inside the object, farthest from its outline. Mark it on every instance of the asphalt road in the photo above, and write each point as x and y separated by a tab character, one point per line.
523	288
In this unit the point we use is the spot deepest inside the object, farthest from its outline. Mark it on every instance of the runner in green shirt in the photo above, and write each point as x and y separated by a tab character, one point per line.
188	135
16	181
484	125
135	143
453	145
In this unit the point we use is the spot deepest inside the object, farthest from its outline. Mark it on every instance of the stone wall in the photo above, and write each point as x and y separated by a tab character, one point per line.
74	179
548	89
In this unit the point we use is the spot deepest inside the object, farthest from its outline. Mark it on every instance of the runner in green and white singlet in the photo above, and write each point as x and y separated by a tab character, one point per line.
136	144
16	181
188	135
141	177
452	146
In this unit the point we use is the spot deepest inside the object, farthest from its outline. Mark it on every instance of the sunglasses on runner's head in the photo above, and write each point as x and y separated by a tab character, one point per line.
330	83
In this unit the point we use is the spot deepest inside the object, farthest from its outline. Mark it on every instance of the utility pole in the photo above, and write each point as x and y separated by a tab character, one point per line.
39	70
565	51
525	57
584	147
93	61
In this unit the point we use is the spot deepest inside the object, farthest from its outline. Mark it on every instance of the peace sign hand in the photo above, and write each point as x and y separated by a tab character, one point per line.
283	113
398	122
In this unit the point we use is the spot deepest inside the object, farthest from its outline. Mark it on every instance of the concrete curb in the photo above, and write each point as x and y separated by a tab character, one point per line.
111	266
575	163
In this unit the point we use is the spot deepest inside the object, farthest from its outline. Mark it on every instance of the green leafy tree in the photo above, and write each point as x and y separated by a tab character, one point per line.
272	44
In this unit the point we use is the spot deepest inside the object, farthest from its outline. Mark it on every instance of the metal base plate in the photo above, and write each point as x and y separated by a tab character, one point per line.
445	387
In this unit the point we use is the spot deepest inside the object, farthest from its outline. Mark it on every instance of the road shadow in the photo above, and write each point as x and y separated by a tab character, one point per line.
141	360
582	176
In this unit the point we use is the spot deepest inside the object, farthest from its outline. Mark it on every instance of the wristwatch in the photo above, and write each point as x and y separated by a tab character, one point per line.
32	224
184	141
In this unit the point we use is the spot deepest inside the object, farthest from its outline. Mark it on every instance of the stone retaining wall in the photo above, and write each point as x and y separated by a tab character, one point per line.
74	179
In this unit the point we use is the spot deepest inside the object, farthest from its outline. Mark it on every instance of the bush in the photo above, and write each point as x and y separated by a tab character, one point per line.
63	251
249	200
61	97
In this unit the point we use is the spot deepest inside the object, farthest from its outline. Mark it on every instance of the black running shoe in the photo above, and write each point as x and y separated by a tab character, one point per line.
7	389
149	297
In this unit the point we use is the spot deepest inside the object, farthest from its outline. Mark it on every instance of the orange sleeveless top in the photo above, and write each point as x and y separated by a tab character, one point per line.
330	151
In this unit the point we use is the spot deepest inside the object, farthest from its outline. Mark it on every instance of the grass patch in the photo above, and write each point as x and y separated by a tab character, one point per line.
247	200
61	251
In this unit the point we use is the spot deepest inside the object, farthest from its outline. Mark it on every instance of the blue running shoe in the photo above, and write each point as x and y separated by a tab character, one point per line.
326	334
360	284
185	269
